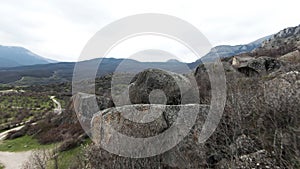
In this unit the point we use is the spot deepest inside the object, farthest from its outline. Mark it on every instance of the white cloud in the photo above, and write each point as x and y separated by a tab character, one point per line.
59	29
153	48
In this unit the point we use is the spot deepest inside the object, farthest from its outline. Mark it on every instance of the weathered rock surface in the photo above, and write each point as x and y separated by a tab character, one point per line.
281	43
173	86
283	90
259	66
189	153
291	58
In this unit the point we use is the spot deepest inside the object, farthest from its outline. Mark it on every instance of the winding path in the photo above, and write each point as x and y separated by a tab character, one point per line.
15	160
58	109
4	134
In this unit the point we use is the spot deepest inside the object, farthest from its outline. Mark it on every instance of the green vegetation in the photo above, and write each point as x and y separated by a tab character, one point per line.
66	158
4	87
24	143
17	107
1	166
69	159
37	80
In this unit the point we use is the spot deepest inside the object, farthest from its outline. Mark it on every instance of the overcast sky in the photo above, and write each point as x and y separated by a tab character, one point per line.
59	29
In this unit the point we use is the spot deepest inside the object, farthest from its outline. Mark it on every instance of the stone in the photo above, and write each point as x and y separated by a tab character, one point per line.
259	66
188	153
283	90
172	85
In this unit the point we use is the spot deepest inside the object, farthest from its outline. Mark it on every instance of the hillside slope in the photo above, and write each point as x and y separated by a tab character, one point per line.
11	56
60	72
281	43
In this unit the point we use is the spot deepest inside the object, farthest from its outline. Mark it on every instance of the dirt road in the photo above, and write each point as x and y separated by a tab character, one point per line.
4	134
57	109
14	160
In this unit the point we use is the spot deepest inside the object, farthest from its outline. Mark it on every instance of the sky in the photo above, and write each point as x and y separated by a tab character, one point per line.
59	29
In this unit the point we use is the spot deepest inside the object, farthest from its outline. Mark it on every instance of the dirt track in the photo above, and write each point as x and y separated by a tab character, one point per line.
14	160
4	134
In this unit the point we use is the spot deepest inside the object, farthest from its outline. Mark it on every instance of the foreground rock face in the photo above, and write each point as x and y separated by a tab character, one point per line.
189	153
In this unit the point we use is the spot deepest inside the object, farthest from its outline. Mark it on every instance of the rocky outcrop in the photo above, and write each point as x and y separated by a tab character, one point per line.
189	153
258	66
159	87
281	43
288	32
291	58
283	91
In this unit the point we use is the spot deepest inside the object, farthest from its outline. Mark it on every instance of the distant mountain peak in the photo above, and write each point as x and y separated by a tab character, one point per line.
173	61
12	56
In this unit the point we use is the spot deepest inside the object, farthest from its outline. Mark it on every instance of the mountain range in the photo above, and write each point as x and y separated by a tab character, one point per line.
223	51
21	66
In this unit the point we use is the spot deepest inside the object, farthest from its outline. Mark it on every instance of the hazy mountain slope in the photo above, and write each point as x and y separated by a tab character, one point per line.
18	56
59	72
227	51
56	72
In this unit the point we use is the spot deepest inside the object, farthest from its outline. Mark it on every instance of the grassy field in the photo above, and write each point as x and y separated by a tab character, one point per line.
24	143
68	157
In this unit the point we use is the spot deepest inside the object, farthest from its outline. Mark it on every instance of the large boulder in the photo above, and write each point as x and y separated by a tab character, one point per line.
159	87
188	153
259	66
210	75
283	91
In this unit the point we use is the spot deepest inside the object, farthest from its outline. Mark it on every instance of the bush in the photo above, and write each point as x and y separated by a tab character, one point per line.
16	134
69	144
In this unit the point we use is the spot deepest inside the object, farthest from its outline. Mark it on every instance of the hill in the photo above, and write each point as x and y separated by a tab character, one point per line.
61	72
12	56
